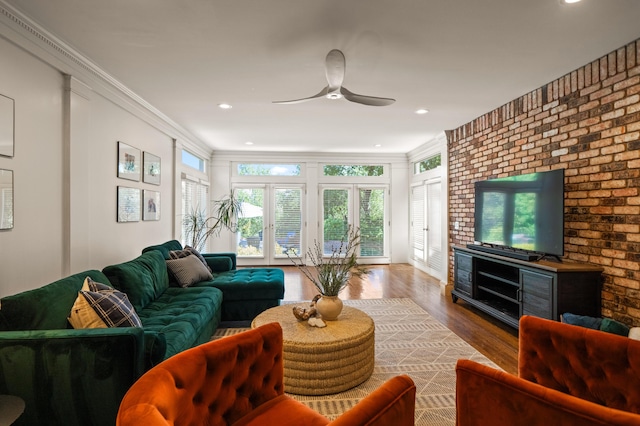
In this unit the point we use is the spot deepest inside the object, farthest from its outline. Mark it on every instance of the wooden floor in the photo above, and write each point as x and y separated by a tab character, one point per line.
495	340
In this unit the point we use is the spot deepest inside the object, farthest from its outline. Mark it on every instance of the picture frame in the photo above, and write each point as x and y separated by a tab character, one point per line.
150	205
128	204
151	169
128	162
6	199
7	126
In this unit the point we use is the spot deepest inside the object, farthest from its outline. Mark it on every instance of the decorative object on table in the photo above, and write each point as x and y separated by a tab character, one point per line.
151	168
150	205
6	199
331	274
128	162
7	126
128	204
310	315
199	227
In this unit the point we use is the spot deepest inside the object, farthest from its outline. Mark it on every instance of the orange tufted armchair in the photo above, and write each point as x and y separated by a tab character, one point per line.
567	375
238	380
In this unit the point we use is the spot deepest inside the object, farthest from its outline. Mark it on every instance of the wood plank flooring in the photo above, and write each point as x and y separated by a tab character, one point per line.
493	339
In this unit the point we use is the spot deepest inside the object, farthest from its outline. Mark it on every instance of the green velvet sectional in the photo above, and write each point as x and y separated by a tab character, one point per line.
78	376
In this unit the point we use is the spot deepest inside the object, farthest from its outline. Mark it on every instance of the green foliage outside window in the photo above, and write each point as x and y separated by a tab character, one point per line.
353	170
428	164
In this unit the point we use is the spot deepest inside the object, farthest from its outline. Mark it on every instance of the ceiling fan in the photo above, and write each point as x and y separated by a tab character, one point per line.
335	66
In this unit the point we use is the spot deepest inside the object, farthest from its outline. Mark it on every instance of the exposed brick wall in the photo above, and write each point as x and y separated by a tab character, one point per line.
587	122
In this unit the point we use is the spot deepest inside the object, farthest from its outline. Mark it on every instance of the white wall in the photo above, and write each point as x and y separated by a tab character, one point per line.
31	252
65	172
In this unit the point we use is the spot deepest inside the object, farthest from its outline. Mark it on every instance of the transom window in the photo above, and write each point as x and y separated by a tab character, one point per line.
353	170
258	169
427	164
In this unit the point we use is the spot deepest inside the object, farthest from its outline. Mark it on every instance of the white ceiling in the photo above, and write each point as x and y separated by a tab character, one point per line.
456	58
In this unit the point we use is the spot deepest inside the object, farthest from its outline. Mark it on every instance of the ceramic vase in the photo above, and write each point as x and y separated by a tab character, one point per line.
329	307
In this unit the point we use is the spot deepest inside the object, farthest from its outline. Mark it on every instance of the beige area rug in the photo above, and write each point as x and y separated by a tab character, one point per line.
408	341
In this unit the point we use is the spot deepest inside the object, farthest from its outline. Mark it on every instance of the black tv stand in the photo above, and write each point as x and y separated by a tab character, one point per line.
506	252
507	288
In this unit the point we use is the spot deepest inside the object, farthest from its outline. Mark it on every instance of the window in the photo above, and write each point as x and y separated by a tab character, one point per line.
248	169
427	164
195	196
353	170
193	161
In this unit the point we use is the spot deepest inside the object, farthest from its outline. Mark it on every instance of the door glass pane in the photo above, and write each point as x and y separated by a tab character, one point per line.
335	218
417	218
250	221
288	221
371	222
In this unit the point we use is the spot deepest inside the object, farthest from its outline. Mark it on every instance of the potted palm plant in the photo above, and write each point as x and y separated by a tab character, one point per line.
199	227
331	274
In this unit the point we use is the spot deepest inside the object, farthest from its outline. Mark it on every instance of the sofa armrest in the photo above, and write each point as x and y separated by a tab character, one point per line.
486	396
209	257
392	404
70	377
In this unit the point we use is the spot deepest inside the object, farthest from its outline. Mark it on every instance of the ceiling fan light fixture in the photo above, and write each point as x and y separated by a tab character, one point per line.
334	96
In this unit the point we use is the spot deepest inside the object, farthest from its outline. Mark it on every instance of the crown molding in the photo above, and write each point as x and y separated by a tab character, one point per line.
23	32
280	157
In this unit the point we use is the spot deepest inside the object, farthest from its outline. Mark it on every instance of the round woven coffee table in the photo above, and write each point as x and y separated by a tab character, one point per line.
322	361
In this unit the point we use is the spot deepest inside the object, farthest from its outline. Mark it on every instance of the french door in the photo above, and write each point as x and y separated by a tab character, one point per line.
364	207
270	223
426	226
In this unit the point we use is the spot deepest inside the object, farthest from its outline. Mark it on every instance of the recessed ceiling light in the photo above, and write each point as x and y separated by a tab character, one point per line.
225	106
570	1
378	145
248	143
422	111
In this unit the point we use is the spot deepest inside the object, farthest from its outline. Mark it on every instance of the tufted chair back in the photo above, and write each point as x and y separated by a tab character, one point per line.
215	383
589	364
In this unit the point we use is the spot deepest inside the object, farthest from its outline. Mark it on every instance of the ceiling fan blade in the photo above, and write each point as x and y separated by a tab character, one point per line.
322	94
335	66
365	100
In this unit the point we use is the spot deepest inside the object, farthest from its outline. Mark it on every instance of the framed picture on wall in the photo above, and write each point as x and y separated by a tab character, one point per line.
7	126
128	162
151	168
6	199
151	205
128	204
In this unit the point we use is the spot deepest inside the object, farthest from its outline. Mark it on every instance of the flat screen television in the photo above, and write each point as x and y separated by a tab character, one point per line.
524	212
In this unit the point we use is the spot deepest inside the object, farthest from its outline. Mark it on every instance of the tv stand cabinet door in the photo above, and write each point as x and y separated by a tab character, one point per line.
537	294
463	273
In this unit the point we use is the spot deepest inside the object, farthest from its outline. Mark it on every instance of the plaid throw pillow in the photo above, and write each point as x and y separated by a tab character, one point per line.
100	306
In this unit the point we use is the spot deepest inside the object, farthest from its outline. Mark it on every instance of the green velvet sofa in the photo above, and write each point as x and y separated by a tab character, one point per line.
246	292
78	376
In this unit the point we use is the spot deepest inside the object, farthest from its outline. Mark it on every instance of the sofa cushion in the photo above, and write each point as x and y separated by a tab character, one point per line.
100	306
47	307
249	284
143	279
188	251
164	248
180	314
188	270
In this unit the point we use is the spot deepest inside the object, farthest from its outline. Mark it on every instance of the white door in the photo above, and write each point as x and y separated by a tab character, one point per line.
364	207
426	226
269	224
